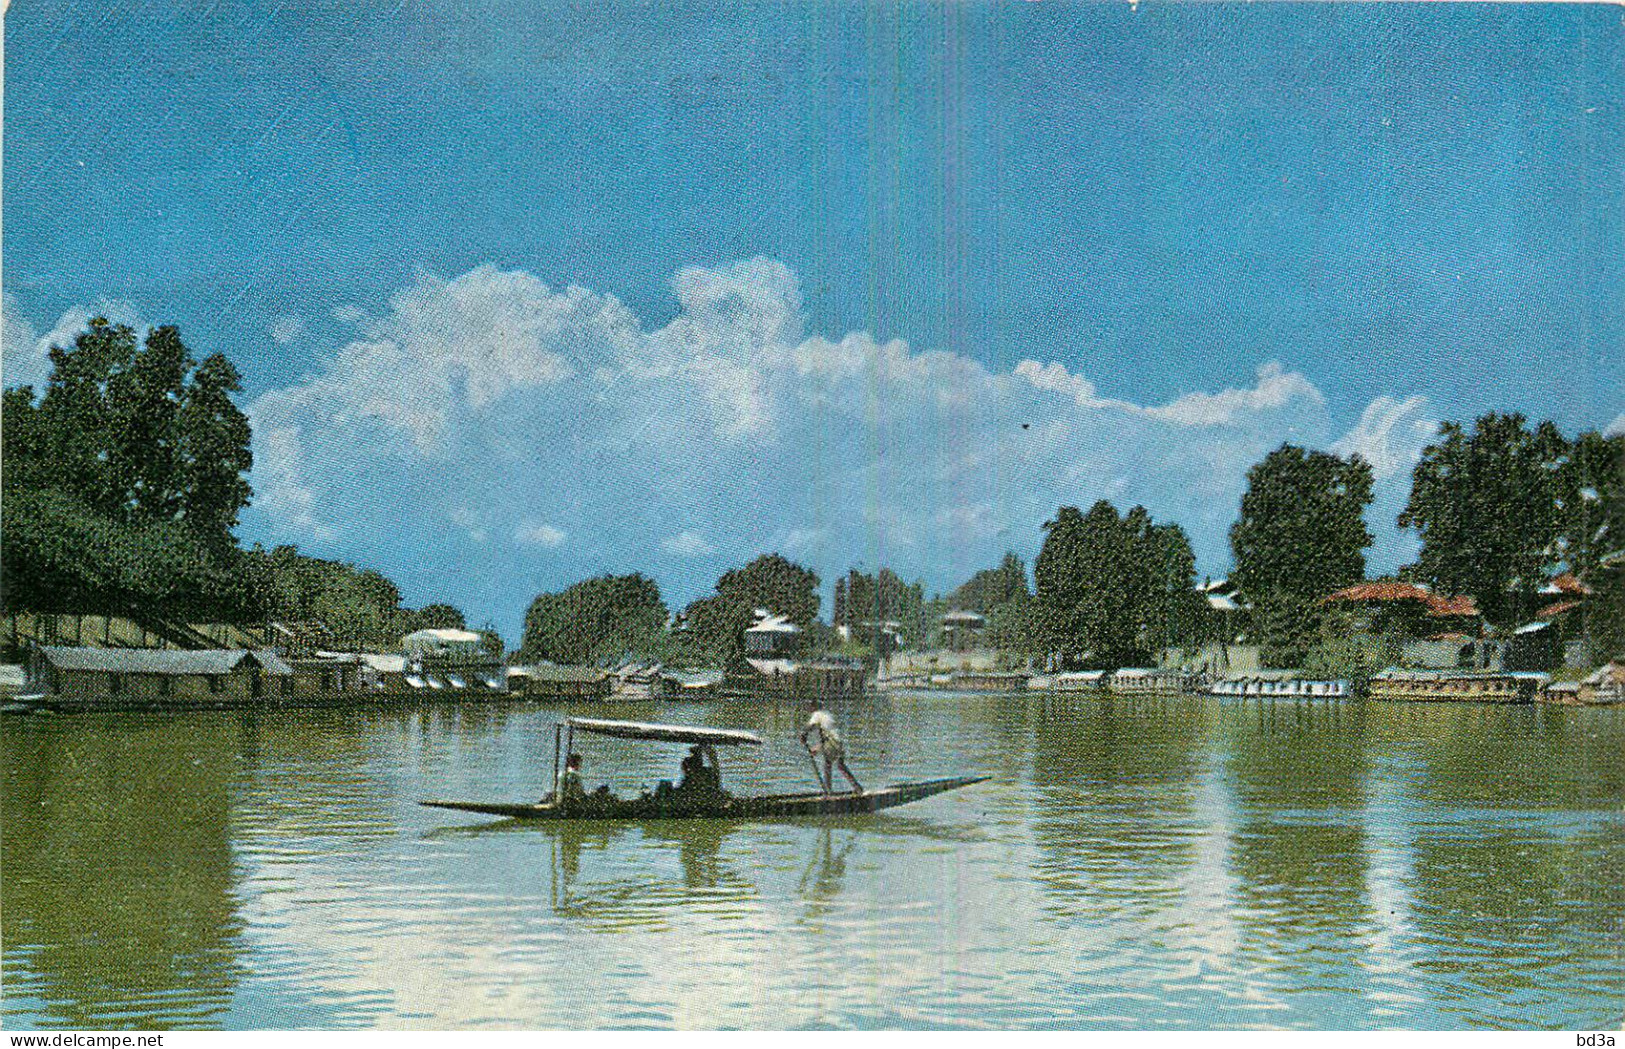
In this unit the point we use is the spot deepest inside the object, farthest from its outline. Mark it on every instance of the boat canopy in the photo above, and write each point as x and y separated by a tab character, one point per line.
664	733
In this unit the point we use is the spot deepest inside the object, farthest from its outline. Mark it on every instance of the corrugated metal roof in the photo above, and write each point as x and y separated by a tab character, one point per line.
562	674
384	662
159	660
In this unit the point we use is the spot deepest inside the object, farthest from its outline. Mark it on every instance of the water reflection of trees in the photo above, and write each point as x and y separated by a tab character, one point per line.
1299	772
1516	852
1114	785
118	888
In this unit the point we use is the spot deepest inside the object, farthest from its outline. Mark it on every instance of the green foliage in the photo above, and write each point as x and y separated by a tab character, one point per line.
1592	537
596	620
1111	590
140	433
1301	533
1605	615
435	617
1286	627
361	608
123	481
880	598
63	556
491	642
992	587
718	623
1490	509
1011	628
1591	497
1350	656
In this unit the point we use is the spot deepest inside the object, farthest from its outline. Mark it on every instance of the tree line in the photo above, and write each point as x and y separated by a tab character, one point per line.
122	486
1498	510
125	476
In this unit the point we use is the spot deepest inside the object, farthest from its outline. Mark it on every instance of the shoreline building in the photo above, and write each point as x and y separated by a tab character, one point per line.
159	677
772	651
962	629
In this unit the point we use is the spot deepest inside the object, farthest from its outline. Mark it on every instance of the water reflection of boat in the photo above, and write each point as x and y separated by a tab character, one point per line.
687	804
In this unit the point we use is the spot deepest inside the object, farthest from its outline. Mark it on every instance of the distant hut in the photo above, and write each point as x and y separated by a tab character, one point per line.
771	637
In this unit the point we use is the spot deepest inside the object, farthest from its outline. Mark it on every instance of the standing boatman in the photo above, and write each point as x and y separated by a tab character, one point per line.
829	745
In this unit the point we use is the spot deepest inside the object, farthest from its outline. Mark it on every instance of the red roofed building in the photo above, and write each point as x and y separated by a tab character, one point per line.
1389	605
1567	585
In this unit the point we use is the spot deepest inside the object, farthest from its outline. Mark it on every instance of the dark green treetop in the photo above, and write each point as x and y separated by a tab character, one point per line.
1490	509
1301	533
596	620
773	582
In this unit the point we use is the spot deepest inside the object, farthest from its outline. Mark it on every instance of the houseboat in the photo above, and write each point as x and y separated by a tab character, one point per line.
1284	688
1439	686
1143	680
1079	681
552	681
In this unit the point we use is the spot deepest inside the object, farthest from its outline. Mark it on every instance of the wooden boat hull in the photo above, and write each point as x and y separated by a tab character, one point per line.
770	806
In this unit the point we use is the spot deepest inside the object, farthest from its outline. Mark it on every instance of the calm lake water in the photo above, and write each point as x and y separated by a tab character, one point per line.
1170	862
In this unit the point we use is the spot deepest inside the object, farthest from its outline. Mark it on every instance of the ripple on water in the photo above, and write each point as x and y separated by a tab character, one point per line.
1169	863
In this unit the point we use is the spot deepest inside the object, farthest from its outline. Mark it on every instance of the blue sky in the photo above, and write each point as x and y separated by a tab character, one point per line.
523	292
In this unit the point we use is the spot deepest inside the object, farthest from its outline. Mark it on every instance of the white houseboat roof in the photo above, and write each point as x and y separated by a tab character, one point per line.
385	662
441	634
206	661
773	624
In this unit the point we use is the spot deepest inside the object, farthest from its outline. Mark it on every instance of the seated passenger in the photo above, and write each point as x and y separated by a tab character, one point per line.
698	777
570	788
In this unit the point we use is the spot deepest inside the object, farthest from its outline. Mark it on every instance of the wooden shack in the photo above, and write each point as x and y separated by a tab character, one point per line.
157	677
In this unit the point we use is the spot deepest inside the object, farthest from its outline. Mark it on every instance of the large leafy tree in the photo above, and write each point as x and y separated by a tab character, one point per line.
1111	589
1301	533
1490	507
141	433
595	620
123	481
773	582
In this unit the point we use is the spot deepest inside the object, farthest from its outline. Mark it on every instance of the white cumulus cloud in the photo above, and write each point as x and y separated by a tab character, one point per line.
1390	435
540	535
493	388
286	329
687	544
25	352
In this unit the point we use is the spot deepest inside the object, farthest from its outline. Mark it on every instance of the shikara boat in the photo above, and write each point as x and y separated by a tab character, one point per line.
680	804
